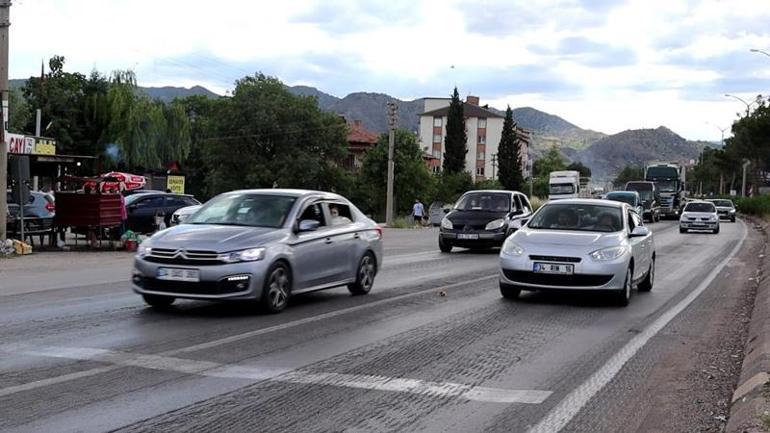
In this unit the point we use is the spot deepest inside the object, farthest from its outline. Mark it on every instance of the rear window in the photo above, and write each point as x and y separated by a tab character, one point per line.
700	207
623	198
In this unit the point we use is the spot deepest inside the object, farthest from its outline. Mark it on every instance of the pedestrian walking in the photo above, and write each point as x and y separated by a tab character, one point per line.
418	212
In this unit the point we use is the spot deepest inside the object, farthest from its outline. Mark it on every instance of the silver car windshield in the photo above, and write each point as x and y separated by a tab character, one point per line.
700	207
723	203
578	217
255	210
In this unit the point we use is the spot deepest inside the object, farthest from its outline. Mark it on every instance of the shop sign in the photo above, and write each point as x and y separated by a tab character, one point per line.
175	184
27	145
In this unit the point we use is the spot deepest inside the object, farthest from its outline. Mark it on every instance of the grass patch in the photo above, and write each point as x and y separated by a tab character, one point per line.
402	223
758	206
536	203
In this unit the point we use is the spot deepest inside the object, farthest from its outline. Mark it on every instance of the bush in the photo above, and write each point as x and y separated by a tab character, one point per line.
536	203
759	206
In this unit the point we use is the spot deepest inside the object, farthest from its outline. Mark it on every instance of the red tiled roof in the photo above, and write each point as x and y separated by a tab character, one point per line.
358	134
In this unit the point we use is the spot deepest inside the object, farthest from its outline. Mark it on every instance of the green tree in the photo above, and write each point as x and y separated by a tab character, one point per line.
412	178
578	166
551	161
456	140
451	185
509	155
19	113
627	174
266	136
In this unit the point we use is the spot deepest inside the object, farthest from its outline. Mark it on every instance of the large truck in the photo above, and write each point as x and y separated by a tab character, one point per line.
669	178
567	184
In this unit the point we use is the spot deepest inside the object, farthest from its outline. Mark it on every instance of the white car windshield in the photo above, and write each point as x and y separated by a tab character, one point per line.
241	209
578	217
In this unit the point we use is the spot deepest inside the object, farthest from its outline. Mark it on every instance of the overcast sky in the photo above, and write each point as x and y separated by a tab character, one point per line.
607	65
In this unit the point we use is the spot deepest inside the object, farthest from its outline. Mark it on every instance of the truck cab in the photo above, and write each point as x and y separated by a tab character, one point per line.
563	184
669	181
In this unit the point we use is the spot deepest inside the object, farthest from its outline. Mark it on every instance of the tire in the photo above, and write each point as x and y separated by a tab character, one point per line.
623	296
367	269
681	230
277	289
732	220
158	301
444	246
649	280
716	231
657	218
509	292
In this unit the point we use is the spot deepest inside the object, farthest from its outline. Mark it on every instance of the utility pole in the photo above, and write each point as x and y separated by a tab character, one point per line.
743	185
392	108
5	22
494	165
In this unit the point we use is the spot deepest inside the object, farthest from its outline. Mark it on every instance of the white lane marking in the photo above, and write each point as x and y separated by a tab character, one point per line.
571	405
359	381
14	348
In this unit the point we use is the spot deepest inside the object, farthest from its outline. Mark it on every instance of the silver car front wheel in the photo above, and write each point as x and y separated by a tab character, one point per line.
624	295
275	295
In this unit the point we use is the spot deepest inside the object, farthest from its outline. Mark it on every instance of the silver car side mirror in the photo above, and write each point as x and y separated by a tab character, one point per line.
308	226
639	232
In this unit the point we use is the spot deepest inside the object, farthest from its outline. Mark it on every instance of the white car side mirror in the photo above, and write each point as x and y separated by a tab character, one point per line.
639	232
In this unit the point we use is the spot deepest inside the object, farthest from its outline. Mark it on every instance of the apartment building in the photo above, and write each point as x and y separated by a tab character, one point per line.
483	129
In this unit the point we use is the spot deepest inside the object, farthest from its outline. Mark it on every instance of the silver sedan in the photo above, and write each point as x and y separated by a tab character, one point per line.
263	245
579	245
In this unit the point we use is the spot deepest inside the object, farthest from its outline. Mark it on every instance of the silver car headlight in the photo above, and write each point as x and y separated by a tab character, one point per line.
511	248
143	250
446	224
607	254
732	210
250	255
496	224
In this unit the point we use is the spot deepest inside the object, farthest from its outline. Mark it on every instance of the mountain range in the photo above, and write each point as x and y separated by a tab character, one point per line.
605	154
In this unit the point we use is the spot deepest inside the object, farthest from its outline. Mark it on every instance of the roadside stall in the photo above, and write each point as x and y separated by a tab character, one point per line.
94	206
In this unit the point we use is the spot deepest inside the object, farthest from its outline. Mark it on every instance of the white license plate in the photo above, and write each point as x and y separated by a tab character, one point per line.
550	268
467	236
177	274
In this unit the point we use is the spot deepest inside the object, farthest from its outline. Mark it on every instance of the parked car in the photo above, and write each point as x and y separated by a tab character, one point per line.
631	198
40	210
579	244
482	219
265	245
437	211
181	214
699	215
144	207
725	208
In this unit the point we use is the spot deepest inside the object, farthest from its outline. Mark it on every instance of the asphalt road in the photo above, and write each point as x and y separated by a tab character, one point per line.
433	348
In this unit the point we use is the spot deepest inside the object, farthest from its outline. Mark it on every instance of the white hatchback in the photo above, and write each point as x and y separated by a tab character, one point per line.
699	215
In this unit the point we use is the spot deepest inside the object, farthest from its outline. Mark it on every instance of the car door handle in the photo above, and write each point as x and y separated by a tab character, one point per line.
357	236
329	240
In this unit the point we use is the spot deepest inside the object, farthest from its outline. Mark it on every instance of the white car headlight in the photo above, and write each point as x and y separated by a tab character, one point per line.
512	248
496	224
250	255
446	224
732	210
610	253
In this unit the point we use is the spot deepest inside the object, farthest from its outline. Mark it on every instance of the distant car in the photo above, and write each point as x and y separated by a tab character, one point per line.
437	211
650	196
579	245
631	198
482	219
181	214
725	208
699	215
265	245
142	209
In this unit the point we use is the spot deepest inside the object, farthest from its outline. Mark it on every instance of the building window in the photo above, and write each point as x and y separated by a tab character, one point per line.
482	139
480	156
437	122
437	153
479	171
482	122
437	138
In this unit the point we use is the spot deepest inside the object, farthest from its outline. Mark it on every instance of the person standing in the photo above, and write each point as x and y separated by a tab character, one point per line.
418	212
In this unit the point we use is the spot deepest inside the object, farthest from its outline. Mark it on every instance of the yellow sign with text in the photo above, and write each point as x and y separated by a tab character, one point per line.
44	147
175	184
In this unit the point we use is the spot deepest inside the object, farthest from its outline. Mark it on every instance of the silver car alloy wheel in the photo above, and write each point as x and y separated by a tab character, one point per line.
627	288
278	287
366	272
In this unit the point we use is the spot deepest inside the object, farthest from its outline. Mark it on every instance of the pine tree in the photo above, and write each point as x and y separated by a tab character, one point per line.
509	155
455	142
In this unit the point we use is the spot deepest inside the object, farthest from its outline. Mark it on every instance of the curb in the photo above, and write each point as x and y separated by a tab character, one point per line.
750	411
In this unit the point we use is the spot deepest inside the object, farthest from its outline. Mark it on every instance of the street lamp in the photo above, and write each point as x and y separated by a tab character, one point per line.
721	130
754	50
748	106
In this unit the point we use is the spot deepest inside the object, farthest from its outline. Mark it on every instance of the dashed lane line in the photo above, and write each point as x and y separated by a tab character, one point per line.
18	348
257	374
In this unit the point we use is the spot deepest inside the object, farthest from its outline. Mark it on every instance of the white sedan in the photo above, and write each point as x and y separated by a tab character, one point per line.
580	245
181	214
